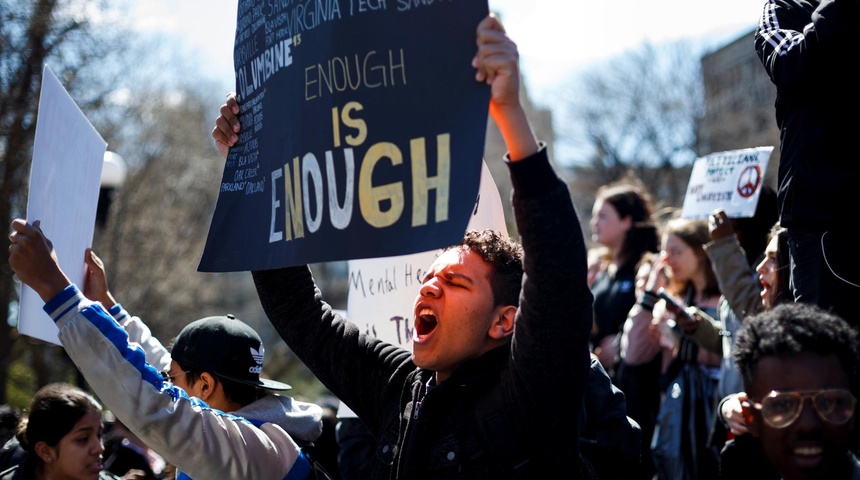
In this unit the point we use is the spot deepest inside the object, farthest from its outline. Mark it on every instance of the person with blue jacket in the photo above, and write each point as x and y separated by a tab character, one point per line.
201	410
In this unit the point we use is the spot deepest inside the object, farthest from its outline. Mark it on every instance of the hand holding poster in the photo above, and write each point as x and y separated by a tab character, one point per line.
730	180
362	132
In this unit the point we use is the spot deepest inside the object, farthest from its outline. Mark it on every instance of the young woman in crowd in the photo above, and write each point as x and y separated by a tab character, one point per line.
622	222
62	436
690	363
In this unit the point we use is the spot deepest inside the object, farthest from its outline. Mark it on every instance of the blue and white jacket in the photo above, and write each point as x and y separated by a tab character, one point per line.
202	442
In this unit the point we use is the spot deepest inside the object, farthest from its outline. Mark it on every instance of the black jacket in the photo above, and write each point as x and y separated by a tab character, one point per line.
543	374
809	49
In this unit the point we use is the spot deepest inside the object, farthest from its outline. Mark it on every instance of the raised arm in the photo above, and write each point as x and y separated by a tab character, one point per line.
497	64
317	334
549	354
738	283
96	289
202	442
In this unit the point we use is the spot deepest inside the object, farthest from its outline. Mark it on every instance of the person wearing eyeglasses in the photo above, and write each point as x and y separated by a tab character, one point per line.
799	368
201	409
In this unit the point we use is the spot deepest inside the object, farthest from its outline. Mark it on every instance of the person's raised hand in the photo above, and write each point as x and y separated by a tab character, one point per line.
227	126
497	64
733	414
719	225
657	277
95	282
32	258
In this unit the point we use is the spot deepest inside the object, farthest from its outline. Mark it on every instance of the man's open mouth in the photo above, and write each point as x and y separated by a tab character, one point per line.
425	323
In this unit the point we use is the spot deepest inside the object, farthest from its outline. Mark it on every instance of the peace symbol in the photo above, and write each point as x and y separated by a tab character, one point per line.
749	181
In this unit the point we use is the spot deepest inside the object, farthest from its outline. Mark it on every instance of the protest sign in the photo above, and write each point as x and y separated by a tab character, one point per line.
730	180
68	155
362	132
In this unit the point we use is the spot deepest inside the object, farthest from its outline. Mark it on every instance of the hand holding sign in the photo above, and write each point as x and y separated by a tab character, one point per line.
720	225
32	257
497	65
227	126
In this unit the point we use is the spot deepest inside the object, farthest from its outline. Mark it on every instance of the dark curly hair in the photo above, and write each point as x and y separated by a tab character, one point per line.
791	328
505	257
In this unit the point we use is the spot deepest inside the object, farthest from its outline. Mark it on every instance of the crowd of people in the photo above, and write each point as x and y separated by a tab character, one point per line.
675	348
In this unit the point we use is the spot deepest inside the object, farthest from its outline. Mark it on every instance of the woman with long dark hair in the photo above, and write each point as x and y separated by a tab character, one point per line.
622	222
690	365
62	437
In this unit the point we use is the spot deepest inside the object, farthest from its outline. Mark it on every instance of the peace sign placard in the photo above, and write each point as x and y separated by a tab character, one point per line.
730	180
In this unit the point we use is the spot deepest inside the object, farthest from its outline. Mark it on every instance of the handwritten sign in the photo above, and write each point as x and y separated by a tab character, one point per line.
363	130
382	290
730	180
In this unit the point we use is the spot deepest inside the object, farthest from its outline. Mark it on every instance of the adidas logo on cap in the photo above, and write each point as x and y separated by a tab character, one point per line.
258	357
220	345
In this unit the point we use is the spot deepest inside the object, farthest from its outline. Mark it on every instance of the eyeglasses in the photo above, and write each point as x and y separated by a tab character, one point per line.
781	409
166	376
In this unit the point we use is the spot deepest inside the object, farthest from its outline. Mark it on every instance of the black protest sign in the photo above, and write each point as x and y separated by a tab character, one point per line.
362	132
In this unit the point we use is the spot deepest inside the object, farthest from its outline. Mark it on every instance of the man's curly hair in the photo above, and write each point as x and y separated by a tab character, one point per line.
505	257
790	328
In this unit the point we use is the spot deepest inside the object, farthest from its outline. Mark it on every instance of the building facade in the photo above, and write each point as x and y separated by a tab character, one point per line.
739	102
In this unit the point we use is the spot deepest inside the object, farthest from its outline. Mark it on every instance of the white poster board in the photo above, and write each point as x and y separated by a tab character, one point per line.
68	154
730	180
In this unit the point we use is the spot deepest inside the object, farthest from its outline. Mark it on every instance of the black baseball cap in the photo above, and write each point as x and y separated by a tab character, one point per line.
226	347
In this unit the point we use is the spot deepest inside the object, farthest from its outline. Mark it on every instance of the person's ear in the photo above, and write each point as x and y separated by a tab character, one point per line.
44	451
503	322
628	222
206	387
